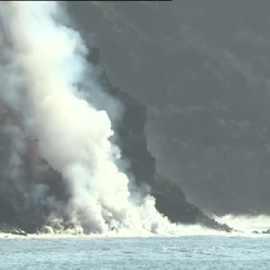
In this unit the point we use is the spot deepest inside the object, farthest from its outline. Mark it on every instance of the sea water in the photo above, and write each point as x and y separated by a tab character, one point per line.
185	252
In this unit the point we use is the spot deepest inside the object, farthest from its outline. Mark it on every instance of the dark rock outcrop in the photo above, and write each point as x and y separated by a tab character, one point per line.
262	232
170	199
7	212
14	222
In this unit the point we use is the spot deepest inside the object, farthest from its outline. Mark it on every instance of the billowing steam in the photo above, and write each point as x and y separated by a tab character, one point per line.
49	128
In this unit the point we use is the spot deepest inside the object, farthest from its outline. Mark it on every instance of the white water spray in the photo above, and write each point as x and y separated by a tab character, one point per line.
245	223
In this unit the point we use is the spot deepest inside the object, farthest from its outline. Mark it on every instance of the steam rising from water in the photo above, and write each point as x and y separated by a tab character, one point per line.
246	224
42	68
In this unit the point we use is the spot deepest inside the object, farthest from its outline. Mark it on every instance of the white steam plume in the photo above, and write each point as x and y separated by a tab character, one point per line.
46	65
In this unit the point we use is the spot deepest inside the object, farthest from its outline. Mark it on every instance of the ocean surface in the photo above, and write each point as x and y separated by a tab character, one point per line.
185	252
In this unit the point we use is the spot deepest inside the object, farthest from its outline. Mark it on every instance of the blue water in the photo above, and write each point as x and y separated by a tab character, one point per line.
190	252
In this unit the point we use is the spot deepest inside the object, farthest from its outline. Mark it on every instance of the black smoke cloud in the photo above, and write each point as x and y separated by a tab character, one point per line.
202	69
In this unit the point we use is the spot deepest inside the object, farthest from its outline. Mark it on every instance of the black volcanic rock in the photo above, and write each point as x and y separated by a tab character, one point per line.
170	199
14	222
7	212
